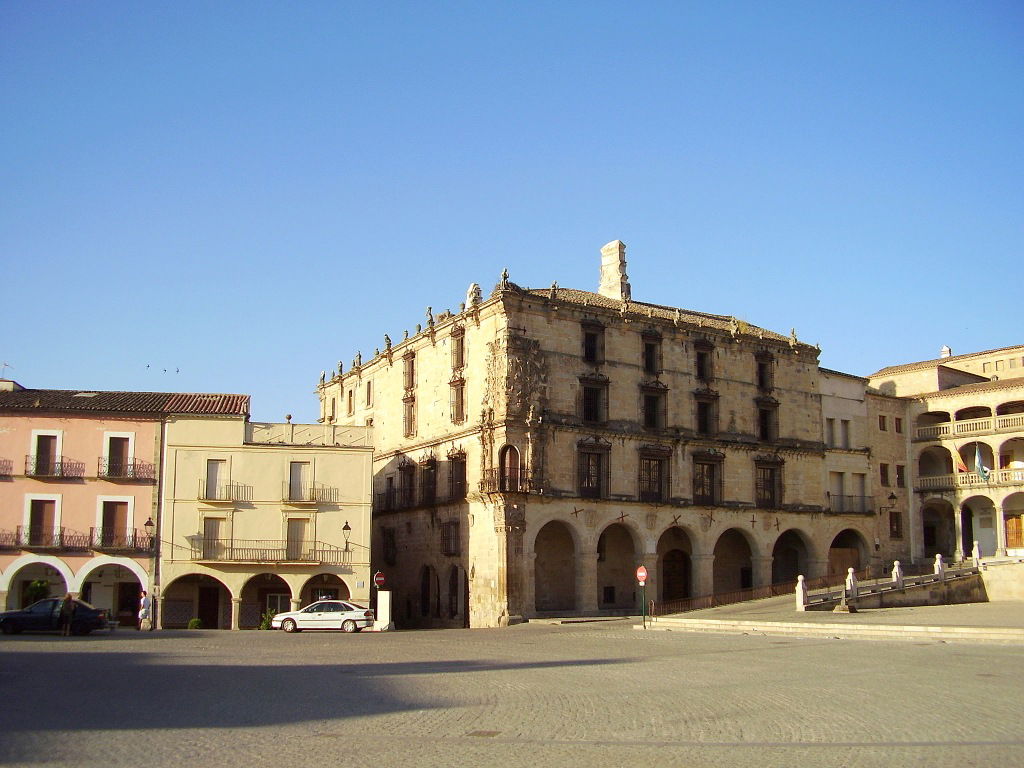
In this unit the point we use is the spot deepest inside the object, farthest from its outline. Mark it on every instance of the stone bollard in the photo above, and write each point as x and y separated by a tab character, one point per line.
801	594
851	585
976	554
897	575
940	568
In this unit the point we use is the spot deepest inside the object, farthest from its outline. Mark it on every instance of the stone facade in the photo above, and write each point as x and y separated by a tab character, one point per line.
537	446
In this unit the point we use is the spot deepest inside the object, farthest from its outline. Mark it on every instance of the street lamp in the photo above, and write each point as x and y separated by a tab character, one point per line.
148	525
346	529
886	508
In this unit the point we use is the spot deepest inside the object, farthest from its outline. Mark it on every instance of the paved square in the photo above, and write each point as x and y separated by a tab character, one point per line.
585	694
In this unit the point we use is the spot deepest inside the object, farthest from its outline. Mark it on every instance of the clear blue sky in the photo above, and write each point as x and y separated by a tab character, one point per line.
250	192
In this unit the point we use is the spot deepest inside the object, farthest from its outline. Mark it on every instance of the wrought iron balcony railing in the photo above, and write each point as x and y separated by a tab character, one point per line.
127	469
308	493
224	492
53	466
270	551
505	480
42	537
846	504
120	539
6	467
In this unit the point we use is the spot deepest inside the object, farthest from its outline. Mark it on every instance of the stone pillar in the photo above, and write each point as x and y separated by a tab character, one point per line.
530	584
1000	524
762	570
236	610
703	574
3	600
158	604
296	603
586	582
958	534
801	594
897	574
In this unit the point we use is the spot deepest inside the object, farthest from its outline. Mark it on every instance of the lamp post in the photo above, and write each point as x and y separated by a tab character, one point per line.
346	530
150	527
886	508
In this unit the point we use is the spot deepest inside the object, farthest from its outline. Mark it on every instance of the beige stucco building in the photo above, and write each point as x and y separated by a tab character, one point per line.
260	518
538	445
964	438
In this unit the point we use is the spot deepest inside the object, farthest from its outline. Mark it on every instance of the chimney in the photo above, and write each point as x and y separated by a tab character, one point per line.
945	351
614	280
10	385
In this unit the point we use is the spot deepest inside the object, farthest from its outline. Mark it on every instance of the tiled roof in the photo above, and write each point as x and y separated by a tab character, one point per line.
644	309
124	402
966	389
940	361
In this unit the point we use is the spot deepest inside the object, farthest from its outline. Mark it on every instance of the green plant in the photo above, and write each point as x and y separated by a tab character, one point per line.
37	590
195	623
265	620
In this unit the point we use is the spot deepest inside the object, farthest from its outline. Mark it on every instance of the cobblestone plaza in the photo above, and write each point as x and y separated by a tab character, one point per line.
538	695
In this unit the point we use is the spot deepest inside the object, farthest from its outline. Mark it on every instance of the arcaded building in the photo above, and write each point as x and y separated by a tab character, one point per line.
535	447
964	439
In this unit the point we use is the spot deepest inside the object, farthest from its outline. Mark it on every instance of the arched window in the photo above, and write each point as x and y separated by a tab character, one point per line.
510	469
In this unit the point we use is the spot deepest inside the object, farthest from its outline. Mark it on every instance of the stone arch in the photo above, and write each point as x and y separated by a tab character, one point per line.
973	412
969	452
430	593
675	565
934	461
733	566
616	567
113	583
1013	515
791	556
323	586
34	567
262	593
1010	408
938	529
977	524
933	418
554	568
195	596
1011	460
849	549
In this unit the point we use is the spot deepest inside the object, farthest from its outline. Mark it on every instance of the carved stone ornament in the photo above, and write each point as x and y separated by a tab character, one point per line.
473	295
652	521
509	517
590	518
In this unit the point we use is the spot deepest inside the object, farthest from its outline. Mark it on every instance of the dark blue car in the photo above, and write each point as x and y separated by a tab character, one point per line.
44	616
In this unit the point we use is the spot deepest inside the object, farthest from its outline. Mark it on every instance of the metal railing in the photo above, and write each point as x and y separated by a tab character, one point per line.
506	480
53	466
42	537
224	492
120	539
970	426
127	469
6	467
847	504
270	551
309	493
970	479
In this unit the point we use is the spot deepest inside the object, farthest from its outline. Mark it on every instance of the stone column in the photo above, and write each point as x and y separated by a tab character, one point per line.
958	533
296	603
236	610
3	600
586	582
762	570
1000	532
703	567
530	584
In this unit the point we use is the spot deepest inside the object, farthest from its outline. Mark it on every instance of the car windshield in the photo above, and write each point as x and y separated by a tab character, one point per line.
43	606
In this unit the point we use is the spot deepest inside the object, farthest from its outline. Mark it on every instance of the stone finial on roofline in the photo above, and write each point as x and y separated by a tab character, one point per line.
614	280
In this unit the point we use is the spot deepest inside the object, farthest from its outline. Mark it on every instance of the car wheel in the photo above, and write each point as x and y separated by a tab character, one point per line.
289	625
348	626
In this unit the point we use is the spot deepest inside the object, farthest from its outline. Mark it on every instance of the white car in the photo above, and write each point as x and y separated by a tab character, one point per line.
325	614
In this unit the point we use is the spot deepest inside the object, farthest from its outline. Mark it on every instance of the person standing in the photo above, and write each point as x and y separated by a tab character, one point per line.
67	614
145	604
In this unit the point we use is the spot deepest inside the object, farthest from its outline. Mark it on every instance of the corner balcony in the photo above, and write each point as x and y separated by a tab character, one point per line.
996	477
523	480
270	551
120	540
126	470
53	468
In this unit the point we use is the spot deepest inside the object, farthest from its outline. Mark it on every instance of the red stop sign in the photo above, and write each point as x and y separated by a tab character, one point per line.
378	579
641	575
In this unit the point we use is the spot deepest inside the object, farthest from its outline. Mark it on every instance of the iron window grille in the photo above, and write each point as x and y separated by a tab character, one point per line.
765	372
704	368
592	482
706	419
409	371
895	524
457	478
768	486
707	482
458	348
428	482
450	539
653	478
389	545
593	342
409	416
458	401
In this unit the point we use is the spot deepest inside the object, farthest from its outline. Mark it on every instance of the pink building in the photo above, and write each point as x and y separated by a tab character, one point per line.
80	490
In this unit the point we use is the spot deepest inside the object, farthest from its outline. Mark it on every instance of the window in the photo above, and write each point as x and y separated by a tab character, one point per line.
901	476
895	524
113	524
768	486
334	409
457	477
45	460
882	423
42	524
409	371
767	422
830	432
217	487
458	401
999	365
450	537
350	401
883	474
703	362
593	342
389	545
706	477
898	425
653	477
409	416
652	353
707	415
593	400
510	470
765	378
299	486
844	433
369	394
591	474
652	404
458	348
428	482
406	485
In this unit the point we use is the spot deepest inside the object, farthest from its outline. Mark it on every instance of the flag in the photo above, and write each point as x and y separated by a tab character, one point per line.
959	461
978	466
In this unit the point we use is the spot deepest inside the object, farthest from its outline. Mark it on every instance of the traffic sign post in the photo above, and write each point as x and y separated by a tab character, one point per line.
641	577
378	579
